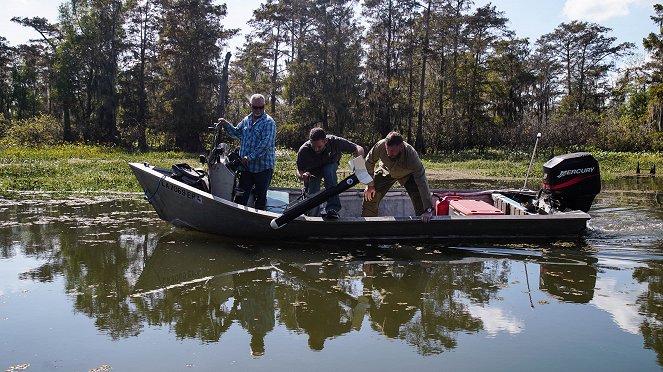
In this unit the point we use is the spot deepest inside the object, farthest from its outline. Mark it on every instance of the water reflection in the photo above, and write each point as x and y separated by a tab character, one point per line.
571	282
97	245
130	272
423	297
649	306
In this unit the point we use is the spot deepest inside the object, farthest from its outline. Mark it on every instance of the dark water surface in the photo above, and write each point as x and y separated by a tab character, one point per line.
94	283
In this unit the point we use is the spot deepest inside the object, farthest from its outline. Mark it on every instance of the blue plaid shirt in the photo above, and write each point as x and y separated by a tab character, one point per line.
257	141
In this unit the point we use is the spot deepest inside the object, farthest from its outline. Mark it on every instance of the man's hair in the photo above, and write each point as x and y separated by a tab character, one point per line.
256	96
394	138
317	134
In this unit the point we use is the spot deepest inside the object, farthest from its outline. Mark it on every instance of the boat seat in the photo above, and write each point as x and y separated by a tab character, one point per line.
509	206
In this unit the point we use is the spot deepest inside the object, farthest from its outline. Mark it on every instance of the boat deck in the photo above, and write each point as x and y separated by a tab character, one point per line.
397	201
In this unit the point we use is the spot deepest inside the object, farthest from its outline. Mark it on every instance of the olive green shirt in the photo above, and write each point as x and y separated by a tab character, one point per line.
407	163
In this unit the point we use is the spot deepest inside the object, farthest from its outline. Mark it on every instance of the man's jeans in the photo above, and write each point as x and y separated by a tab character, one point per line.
247	182
328	172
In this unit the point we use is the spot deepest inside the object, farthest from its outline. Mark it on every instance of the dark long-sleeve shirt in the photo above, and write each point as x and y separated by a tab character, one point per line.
309	161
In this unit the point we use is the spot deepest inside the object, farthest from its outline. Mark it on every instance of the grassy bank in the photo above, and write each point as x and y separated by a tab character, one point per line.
91	168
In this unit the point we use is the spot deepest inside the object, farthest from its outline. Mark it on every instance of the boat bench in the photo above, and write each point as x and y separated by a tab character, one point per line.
509	206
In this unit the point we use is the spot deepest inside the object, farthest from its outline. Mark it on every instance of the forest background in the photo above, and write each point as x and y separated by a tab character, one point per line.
150	75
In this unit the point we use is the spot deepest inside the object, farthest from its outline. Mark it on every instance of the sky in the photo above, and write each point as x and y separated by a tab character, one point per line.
629	19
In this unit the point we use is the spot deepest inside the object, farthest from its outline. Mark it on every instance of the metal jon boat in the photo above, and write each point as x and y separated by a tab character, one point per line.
557	211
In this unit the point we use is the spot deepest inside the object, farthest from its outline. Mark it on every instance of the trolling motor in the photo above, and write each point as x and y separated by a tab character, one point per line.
359	175
218	149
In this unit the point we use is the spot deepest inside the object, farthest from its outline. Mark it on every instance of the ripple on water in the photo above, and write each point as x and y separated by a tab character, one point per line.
627	226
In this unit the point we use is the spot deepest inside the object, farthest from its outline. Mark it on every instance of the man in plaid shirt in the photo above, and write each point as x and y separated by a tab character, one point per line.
257	134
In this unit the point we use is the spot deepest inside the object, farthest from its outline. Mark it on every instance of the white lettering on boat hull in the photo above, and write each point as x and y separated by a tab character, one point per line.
182	191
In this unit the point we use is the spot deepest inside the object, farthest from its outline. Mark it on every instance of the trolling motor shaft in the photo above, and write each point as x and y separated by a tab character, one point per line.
298	208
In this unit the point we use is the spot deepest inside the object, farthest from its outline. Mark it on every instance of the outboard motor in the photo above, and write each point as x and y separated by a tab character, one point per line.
571	181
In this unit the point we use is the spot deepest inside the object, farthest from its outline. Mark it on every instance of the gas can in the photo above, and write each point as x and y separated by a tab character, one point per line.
442	205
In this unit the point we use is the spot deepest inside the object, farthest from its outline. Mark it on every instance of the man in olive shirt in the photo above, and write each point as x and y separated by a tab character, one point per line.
318	158
398	162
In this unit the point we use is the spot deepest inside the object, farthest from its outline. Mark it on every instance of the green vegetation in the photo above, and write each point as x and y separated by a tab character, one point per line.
75	168
450	75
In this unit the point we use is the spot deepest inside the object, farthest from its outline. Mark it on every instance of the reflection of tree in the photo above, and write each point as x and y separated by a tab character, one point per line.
255	294
200	292
310	299
444	314
193	311
320	317
396	292
80	240
423	304
649	302
206	310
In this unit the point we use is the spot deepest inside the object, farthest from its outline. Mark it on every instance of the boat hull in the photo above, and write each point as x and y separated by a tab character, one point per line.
185	206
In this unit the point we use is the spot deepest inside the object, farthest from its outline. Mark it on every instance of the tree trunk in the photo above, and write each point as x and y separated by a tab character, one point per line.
275	70
419	144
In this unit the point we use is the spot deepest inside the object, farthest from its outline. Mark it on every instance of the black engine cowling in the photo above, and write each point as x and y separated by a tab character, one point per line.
572	180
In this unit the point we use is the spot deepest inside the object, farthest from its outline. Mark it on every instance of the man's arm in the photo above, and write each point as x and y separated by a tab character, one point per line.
419	174
302	173
371	159
234	131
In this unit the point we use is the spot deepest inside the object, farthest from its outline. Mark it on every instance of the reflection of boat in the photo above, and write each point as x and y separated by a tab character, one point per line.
187	258
202	287
169	268
568	277
557	212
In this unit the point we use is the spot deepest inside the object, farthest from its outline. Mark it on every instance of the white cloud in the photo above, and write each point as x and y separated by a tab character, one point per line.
597	10
496	320
620	301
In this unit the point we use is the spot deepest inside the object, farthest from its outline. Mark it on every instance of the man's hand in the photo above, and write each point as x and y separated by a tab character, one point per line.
426	216
245	161
360	151
304	176
223	121
369	193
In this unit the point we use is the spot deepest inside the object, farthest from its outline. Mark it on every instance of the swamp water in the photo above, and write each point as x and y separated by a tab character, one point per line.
100	283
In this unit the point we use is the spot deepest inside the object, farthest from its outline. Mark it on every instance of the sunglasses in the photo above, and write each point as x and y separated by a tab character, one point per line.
258	107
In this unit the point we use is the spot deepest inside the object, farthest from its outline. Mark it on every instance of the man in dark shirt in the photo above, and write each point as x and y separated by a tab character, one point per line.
319	158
